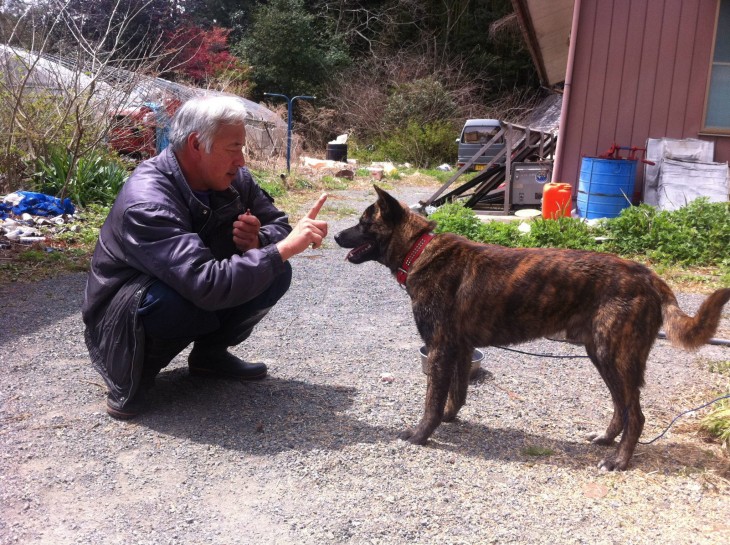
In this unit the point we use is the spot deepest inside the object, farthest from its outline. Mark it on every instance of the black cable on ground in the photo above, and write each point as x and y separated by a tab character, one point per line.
726	396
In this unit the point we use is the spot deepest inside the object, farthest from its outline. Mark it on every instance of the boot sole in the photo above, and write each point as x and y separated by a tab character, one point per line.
202	372
120	414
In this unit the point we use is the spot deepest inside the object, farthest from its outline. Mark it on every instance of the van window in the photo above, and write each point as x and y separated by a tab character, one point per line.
480	135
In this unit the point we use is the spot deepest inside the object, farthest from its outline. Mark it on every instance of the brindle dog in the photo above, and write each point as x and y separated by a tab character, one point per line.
467	295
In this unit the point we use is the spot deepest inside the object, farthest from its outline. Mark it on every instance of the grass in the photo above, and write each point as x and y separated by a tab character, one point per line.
537	451
716	423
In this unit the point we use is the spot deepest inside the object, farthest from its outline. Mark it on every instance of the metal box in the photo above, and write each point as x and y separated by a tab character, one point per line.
528	180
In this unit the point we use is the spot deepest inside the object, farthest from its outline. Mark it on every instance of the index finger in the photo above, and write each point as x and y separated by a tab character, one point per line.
312	214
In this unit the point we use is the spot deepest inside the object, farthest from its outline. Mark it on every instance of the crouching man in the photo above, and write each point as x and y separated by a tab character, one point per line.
193	251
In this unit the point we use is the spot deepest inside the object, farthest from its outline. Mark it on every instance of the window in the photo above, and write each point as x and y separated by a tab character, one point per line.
717	107
480	135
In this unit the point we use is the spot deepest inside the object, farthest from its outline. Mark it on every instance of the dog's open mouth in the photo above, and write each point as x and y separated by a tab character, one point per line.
361	253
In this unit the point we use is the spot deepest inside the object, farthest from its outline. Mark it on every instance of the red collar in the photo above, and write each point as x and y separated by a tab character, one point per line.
410	259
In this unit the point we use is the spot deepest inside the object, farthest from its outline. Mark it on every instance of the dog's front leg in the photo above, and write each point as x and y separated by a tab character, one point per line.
459	386
439	380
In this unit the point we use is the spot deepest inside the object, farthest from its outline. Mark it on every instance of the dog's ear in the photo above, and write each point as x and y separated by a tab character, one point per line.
390	209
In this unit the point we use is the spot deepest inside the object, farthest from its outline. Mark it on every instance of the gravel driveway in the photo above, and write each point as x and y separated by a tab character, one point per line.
310	455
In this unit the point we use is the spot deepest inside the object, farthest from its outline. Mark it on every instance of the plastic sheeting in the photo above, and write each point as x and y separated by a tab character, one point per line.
37	204
690	150
681	182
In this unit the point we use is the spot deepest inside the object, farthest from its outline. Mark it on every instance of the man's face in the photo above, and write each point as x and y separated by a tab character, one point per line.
219	166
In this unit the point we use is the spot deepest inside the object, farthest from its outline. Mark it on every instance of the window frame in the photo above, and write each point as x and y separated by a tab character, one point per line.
715	130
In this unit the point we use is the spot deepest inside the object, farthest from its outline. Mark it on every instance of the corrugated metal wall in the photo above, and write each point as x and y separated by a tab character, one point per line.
640	71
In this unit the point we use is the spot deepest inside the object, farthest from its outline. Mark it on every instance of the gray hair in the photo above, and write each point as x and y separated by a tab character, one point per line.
204	115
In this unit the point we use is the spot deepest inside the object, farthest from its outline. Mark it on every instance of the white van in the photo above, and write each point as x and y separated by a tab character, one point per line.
474	135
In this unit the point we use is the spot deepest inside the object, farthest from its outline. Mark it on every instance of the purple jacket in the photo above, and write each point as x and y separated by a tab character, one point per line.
158	229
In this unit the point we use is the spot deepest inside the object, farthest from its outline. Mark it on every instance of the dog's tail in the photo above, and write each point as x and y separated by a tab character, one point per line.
691	332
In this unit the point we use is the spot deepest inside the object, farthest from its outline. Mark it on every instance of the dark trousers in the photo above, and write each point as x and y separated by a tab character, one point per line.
171	322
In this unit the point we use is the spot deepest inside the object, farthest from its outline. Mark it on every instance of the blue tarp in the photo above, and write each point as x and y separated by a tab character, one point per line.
37	204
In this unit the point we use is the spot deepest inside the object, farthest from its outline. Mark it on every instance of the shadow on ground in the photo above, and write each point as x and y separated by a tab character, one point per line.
261	417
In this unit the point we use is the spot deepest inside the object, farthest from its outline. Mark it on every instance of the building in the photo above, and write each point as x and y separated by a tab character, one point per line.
631	70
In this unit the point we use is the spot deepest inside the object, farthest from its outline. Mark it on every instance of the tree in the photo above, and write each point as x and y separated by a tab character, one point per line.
203	57
57	94
231	14
125	25
290	50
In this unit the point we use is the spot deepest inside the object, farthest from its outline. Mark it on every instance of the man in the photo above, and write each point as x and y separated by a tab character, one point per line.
193	251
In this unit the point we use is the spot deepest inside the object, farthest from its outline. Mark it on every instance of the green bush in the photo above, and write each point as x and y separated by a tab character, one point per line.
562	232
96	178
290	50
455	218
696	235
423	145
502	233
422	101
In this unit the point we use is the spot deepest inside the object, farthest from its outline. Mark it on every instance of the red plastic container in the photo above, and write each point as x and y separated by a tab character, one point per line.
556	200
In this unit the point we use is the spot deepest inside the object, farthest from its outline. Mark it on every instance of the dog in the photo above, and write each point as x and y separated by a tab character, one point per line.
465	295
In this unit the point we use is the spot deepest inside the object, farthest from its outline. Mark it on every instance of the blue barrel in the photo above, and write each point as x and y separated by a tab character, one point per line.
605	187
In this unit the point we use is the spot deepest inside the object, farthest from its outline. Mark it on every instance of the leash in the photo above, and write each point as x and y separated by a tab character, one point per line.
716	400
726	396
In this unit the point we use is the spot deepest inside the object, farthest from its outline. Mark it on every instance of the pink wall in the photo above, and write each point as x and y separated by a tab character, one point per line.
640	71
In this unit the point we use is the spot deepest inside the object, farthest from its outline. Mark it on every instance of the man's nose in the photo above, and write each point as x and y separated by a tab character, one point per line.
240	159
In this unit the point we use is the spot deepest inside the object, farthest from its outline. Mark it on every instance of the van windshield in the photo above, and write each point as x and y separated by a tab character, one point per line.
479	135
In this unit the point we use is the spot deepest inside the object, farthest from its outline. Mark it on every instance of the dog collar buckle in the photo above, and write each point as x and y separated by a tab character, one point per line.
411	257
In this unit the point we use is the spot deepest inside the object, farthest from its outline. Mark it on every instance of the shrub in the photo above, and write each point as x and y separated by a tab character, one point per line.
423	145
455	218
562	232
96	178
697	234
502	233
422	101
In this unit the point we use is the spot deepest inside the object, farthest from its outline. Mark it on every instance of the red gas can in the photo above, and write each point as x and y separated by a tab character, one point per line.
556	200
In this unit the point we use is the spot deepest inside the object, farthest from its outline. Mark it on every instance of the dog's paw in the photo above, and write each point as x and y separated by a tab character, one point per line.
600	439
412	437
612	464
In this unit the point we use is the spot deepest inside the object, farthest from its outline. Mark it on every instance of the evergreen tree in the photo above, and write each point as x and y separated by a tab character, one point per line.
290	50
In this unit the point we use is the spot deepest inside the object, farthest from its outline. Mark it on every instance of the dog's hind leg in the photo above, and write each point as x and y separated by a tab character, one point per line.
624	375
441	370
616	424
459	386
634	424
630	365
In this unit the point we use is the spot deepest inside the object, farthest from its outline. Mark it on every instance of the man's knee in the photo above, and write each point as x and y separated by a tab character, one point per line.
274	292
165	314
282	282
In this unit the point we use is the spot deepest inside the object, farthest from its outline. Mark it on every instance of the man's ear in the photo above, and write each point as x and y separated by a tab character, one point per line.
194	143
390	209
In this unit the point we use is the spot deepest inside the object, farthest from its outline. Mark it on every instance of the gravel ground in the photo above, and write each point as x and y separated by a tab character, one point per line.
310	455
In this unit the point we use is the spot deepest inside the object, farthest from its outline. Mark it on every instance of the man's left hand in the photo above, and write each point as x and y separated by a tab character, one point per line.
246	232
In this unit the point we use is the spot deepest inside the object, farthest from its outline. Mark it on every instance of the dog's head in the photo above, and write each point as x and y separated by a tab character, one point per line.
369	238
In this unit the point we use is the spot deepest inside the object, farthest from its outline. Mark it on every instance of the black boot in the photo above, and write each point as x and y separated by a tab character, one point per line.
217	361
158	353
131	409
